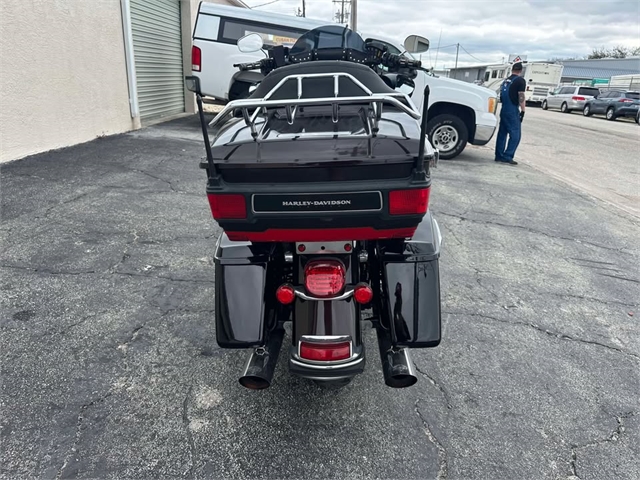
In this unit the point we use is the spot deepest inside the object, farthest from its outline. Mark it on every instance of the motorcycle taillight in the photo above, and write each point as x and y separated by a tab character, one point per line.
324	278
409	202
227	206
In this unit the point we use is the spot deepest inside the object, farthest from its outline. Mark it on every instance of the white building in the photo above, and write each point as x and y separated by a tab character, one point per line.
74	70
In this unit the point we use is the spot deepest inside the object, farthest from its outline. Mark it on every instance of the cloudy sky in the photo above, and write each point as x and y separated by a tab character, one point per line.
487	30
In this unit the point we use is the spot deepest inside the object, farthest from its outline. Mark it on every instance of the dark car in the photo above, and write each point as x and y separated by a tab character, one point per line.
614	104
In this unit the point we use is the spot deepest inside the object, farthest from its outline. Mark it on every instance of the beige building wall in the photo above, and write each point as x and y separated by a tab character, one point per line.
64	77
63	72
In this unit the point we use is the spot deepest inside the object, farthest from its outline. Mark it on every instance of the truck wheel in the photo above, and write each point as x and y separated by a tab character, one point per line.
610	114
448	134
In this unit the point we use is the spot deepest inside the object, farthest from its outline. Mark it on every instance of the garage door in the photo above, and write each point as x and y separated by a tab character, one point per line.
157	48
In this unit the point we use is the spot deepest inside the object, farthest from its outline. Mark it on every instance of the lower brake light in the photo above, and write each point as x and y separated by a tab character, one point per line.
227	206
324	278
578	99
325	352
409	202
625	100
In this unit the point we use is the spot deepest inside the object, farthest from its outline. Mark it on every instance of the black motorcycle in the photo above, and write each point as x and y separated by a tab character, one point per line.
320	180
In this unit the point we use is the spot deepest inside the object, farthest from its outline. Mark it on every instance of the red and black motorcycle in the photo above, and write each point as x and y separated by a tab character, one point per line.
320	180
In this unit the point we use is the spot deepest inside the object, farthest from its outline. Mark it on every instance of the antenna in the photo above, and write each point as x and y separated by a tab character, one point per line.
438	49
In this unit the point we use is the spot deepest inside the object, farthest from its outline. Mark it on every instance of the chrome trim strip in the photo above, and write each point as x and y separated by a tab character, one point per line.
300	293
332	366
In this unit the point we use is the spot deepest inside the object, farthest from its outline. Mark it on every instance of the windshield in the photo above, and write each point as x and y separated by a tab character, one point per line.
328	36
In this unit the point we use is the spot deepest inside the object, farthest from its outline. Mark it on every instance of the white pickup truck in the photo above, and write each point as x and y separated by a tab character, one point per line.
459	112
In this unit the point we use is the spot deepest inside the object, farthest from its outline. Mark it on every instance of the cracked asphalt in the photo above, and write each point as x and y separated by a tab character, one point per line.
110	367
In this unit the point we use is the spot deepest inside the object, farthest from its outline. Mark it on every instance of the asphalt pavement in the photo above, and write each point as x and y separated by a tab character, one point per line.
110	367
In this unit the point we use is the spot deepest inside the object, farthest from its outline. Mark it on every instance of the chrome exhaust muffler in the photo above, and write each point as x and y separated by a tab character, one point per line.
258	373
397	366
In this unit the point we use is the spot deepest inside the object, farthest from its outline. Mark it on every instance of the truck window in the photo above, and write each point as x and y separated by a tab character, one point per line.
486	76
494	74
234	29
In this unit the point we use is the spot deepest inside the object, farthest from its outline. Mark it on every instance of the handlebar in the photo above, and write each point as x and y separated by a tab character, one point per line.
392	61
248	66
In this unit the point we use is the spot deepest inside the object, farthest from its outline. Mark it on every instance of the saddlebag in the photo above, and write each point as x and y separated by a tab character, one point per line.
411	282
244	308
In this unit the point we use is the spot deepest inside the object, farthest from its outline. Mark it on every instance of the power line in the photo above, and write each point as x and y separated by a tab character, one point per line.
472	56
264	4
446	46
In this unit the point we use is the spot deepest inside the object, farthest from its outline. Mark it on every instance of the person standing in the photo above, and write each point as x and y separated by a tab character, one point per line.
511	97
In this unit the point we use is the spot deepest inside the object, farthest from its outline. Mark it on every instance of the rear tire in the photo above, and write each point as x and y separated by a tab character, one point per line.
611	114
544	105
332	384
448	134
565	108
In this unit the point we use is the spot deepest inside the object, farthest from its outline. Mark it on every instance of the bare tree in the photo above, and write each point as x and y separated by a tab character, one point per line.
618	51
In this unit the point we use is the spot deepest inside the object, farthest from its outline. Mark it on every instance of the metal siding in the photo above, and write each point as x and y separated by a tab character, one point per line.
157	48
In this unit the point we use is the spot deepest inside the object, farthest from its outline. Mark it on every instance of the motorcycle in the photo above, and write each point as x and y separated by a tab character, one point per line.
320	181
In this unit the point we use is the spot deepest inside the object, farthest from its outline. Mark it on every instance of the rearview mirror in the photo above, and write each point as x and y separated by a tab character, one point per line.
250	43
416	44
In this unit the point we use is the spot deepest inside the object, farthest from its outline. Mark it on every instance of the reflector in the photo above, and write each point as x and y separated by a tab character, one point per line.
227	206
409	202
325	352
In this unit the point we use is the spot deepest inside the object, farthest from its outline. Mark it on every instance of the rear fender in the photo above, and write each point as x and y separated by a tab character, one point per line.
327	317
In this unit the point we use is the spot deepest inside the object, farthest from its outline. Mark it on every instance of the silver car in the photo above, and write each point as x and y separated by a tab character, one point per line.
569	98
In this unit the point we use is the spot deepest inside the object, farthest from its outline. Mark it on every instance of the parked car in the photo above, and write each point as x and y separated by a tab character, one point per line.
569	98
613	104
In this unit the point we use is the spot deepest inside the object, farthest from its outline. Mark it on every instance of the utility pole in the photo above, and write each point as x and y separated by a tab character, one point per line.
354	15
304	8
457	51
342	16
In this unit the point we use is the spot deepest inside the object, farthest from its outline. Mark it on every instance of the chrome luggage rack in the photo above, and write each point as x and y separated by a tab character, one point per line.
253	109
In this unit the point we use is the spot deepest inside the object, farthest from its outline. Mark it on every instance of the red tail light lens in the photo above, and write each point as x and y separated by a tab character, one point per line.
324	278
363	293
578	99
325	352
227	206
196	59
285	294
625	100
409	202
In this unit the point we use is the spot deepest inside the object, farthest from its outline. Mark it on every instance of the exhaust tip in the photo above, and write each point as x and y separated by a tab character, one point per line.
253	382
401	381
